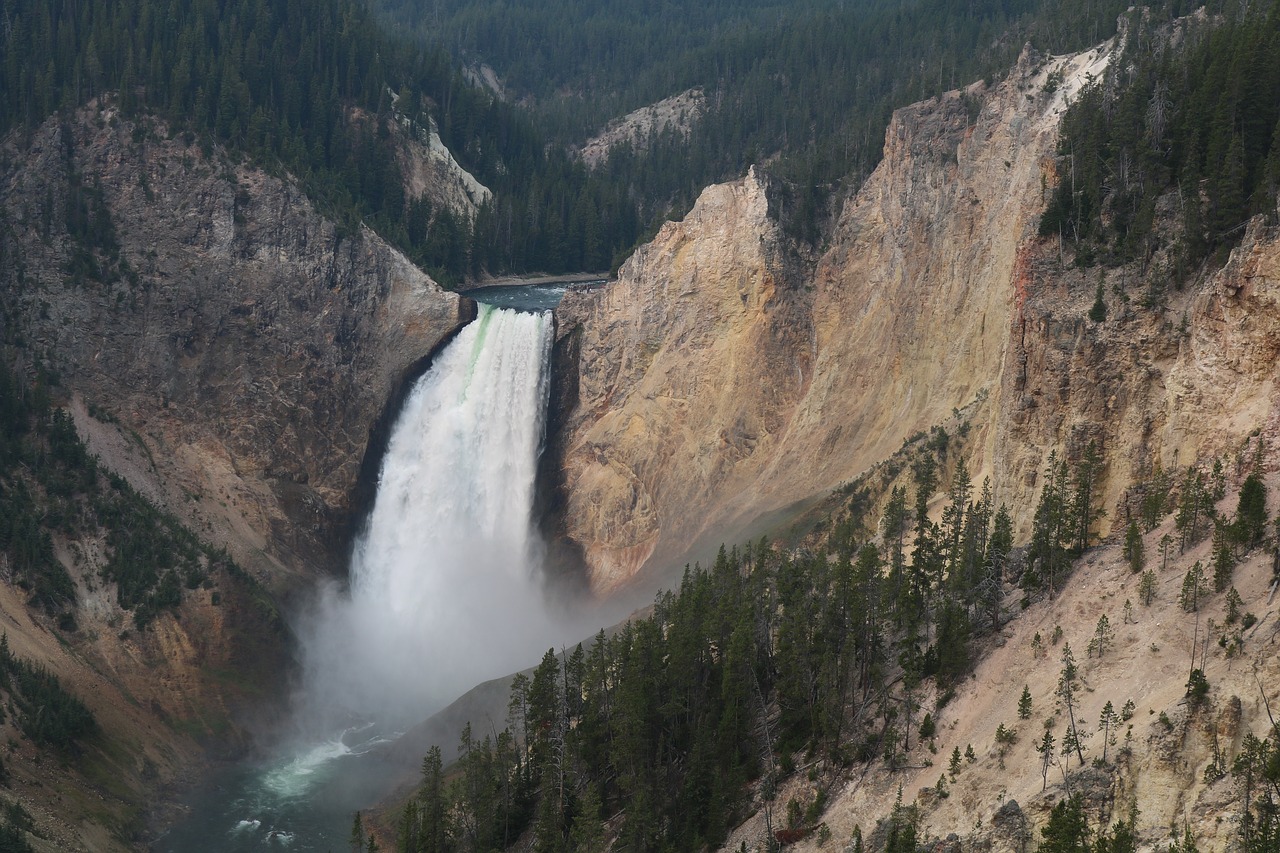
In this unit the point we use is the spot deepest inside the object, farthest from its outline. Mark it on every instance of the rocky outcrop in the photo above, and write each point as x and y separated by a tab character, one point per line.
719	372
233	354
640	128
688	368
247	341
1165	388
721	382
431	172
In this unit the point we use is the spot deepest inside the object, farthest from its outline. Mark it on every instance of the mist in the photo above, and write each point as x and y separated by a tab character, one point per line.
446	584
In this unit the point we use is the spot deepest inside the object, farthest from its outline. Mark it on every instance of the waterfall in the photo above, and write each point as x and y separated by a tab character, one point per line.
444	589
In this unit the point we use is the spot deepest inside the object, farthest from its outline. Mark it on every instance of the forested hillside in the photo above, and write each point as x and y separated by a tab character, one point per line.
1182	133
292	86
284	83
843	656
815	81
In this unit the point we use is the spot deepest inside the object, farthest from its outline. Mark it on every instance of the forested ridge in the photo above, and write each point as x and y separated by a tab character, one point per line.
814	81
285	82
661	736
1165	159
279	79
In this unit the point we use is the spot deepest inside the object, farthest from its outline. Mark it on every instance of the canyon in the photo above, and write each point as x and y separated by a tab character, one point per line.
725	369
241	367
729	379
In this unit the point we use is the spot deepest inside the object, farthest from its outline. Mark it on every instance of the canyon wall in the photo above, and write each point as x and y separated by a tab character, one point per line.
235	355
724	377
248	342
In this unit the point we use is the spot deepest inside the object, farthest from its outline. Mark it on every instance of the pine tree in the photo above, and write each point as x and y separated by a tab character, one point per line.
1251	511
1024	703
1224	556
1186	845
999	545
356	838
902	829
433	808
1098	313
1106	724
1191	507
1068	829
1067	693
1102	635
1193	588
1133	551
1147	586
588	834
1046	749
1155	496
1084	481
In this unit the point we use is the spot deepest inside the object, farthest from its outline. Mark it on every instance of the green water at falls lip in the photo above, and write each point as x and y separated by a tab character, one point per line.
527	297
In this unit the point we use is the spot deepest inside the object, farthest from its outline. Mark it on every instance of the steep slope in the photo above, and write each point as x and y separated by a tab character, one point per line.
721	385
716	370
639	128
685	380
1155	389
234	356
246	342
719	372
1171	759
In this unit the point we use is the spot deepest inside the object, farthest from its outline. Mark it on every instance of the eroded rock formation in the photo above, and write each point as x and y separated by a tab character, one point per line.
721	380
246	340
232	353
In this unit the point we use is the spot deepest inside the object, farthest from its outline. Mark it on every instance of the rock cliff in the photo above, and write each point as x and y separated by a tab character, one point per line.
235	356
688	367
248	342
724	380
640	128
721	372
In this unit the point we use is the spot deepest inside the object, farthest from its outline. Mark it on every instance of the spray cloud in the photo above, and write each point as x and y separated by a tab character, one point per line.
445	589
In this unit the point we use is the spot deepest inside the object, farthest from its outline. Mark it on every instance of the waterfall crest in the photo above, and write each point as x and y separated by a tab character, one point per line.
445	587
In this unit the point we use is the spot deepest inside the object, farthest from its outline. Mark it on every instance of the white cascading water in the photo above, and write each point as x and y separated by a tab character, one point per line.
444	581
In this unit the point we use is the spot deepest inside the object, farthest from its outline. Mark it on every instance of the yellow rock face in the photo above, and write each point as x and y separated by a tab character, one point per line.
722	377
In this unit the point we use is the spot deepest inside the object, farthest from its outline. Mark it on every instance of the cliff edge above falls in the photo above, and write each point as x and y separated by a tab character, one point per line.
687	369
722	379
245	341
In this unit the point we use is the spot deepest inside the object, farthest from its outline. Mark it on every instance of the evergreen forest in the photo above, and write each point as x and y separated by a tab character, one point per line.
658	737
315	89
1182	132
285	83
807	87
